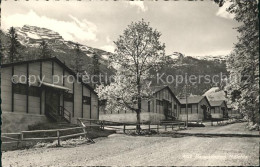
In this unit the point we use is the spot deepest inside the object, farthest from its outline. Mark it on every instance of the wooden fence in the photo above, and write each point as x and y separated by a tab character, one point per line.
20	137
102	124
157	127
11	138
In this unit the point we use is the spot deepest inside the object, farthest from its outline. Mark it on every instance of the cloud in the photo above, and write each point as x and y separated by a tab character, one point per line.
219	52
109	48
75	30
211	53
108	39
139	4
222	11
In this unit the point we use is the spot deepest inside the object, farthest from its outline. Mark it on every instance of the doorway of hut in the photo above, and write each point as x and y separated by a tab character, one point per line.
52	101
205	114
167	109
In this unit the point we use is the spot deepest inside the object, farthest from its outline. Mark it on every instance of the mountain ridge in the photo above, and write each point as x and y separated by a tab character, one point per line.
31	36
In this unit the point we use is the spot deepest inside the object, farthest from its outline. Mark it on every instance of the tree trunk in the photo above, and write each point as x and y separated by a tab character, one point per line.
139	101
138	127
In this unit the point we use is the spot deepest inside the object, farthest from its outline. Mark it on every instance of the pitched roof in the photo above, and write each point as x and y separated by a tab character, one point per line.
156	89
217	103
49	59
191	99
215	94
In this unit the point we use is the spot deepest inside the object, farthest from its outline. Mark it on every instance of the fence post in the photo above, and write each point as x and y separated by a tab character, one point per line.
21	135
165	126
124	128
172	126
85	131
211	122
19	140
158	128
58	135
101	125
149	126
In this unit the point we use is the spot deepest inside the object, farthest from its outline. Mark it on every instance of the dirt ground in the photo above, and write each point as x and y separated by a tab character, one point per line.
237	128
119	149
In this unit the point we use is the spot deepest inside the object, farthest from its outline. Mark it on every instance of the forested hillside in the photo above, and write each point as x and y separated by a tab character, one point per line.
202	70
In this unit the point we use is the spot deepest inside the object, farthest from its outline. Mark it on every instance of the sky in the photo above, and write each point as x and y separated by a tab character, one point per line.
196	28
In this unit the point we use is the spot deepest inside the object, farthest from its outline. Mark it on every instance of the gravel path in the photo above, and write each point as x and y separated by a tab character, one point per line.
123	150
237	128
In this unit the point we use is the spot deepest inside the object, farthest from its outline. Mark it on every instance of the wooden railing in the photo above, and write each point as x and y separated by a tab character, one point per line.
65	113
153	126
52	112
9	138
123	126
22	136
58	114
173	118
90	123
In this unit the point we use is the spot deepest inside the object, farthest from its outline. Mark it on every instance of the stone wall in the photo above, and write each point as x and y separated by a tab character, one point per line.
217	115
16	122
131	117
191	117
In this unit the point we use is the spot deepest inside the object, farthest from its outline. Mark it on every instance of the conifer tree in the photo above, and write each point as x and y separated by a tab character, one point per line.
13	53
243	62
44	50
77	62
96	69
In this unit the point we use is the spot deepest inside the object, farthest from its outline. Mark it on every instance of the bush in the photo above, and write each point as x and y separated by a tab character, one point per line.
142	132
66	143
252	127
195	125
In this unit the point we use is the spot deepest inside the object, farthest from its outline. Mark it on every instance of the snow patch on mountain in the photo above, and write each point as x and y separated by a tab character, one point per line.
32	36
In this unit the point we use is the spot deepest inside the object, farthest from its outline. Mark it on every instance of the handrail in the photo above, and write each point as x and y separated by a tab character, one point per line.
51	107
51	112
58	113
64	112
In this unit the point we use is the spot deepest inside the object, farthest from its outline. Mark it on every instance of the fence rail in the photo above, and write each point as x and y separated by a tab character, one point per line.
21	136
84	124
116	125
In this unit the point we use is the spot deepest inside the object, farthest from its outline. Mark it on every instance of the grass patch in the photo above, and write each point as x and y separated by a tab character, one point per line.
96	133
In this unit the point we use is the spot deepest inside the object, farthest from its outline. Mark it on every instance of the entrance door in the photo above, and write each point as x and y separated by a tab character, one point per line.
52	102
166	109
225	114
204	109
